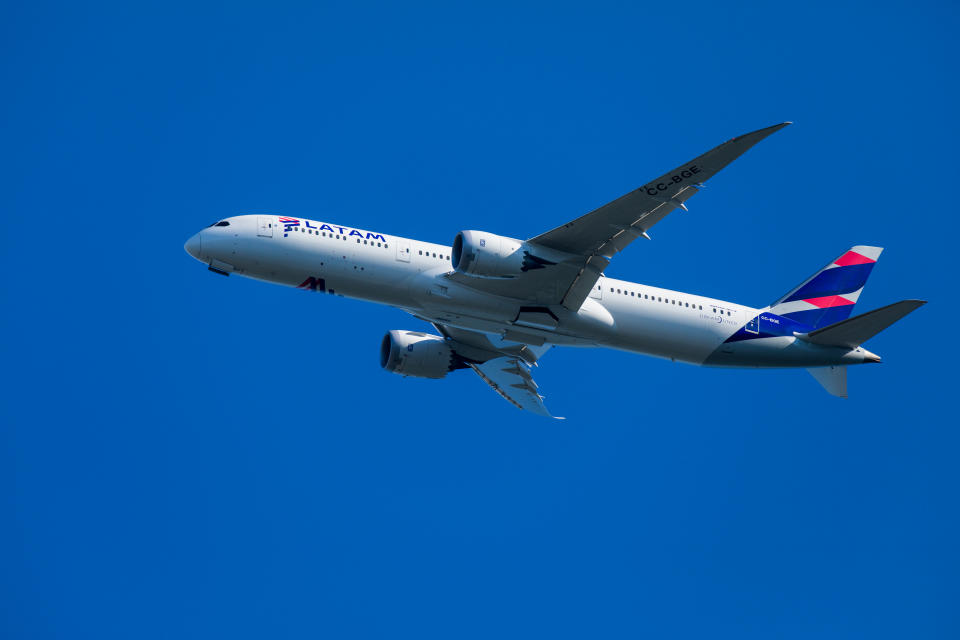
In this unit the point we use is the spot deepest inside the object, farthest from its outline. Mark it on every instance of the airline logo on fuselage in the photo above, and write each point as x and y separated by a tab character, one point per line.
293	223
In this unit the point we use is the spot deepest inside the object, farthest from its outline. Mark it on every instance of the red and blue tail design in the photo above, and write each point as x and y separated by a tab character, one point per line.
828	295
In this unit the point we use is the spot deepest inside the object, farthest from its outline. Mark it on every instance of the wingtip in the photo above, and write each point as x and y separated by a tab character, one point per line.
760	134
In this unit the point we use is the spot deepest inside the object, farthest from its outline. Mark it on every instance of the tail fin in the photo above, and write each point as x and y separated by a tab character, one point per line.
853	332
828	295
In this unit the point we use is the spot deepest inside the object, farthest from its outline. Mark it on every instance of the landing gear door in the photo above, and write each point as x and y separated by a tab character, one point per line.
265	226
403	251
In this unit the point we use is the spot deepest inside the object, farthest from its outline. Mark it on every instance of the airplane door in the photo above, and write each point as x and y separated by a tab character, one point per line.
403	251
753	325
597	291
265	226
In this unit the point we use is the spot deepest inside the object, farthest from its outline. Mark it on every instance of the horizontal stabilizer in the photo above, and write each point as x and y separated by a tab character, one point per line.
833	379
854	331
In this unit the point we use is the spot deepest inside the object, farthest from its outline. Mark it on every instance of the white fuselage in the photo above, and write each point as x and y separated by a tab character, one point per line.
411	275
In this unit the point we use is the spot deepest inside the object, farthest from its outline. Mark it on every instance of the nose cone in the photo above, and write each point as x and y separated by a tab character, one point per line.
192	246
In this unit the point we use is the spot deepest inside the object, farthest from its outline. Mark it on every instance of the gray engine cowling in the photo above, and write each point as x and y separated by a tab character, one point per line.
485	255
412	353
482	254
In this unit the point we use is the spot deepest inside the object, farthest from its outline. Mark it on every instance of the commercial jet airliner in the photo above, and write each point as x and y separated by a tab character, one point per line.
499	303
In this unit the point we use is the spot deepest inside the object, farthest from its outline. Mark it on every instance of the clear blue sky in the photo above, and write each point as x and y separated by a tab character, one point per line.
185	455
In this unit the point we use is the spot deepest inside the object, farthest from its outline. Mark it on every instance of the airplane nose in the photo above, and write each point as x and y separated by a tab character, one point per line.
192	246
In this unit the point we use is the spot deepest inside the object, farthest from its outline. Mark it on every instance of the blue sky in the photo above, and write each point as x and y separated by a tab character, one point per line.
186	455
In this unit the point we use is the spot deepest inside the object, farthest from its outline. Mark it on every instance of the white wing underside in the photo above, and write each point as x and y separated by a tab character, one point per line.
510	377
503	365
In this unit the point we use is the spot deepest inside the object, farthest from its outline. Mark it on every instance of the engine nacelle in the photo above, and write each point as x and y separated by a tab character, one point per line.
485	255
412	353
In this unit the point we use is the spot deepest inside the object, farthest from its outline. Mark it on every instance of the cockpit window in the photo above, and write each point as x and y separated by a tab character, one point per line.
223	223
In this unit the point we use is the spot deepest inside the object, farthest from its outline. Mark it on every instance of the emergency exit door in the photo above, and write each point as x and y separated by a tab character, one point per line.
403	251
597	291
265	226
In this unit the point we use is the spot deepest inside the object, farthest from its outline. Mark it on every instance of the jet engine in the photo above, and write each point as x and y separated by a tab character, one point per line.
485	255
421	355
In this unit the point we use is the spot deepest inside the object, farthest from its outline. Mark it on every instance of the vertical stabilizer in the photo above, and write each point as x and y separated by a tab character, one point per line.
828	295
833	379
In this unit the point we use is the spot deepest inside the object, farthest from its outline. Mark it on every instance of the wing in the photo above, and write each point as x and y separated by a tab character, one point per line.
594	238
510	377
502	365
613	226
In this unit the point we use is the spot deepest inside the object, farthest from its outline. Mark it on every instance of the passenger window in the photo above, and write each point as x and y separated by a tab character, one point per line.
358	240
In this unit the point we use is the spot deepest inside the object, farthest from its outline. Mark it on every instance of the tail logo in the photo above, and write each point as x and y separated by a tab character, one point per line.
828	295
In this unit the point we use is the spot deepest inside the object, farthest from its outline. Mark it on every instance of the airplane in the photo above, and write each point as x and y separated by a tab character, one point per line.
498	304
